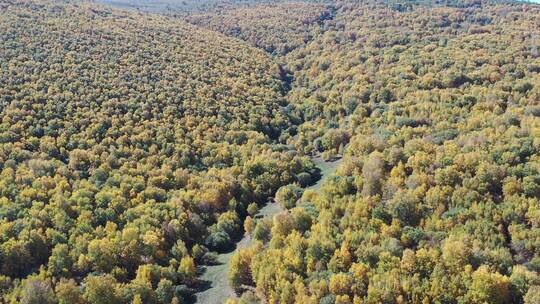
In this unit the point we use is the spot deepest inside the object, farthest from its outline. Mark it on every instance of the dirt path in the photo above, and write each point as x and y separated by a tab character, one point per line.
216	275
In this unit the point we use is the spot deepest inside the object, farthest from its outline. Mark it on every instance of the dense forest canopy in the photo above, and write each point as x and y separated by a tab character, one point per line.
193	6
174	6
135	147
130	146
296	23
436	200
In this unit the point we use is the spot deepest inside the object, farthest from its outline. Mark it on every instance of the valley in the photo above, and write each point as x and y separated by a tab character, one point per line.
254	151
216	276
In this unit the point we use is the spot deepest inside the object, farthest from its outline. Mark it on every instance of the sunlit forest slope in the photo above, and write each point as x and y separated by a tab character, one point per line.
137	149
276	28
436	108
130	145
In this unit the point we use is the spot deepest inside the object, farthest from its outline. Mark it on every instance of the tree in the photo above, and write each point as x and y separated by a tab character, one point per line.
165	291
60	262
456	251
533	295
68	292
334	138
80	161
288	195
522	279
101	290
249	225
37	291
488	287
218	240
187	268
101	254
304	179
15	258
262	231
252	209
372	174
341	284
240	270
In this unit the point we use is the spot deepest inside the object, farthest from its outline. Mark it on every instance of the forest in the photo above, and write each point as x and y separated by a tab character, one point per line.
139	144
129	150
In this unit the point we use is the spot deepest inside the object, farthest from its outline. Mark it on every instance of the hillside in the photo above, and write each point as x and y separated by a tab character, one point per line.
185	7
171	6
131	145
147	157
436	200
278	28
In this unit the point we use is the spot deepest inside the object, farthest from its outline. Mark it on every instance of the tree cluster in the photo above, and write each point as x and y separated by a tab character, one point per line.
437	198
131	146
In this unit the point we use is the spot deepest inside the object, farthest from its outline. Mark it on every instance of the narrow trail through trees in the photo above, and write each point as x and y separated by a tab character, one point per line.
216	275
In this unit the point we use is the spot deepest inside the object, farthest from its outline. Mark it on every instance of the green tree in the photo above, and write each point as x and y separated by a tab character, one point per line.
37	291
488	287
240	270
101	290
68	292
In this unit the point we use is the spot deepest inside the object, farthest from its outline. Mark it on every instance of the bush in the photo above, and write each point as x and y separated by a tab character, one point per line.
304	179
219	241
262	231
287	196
